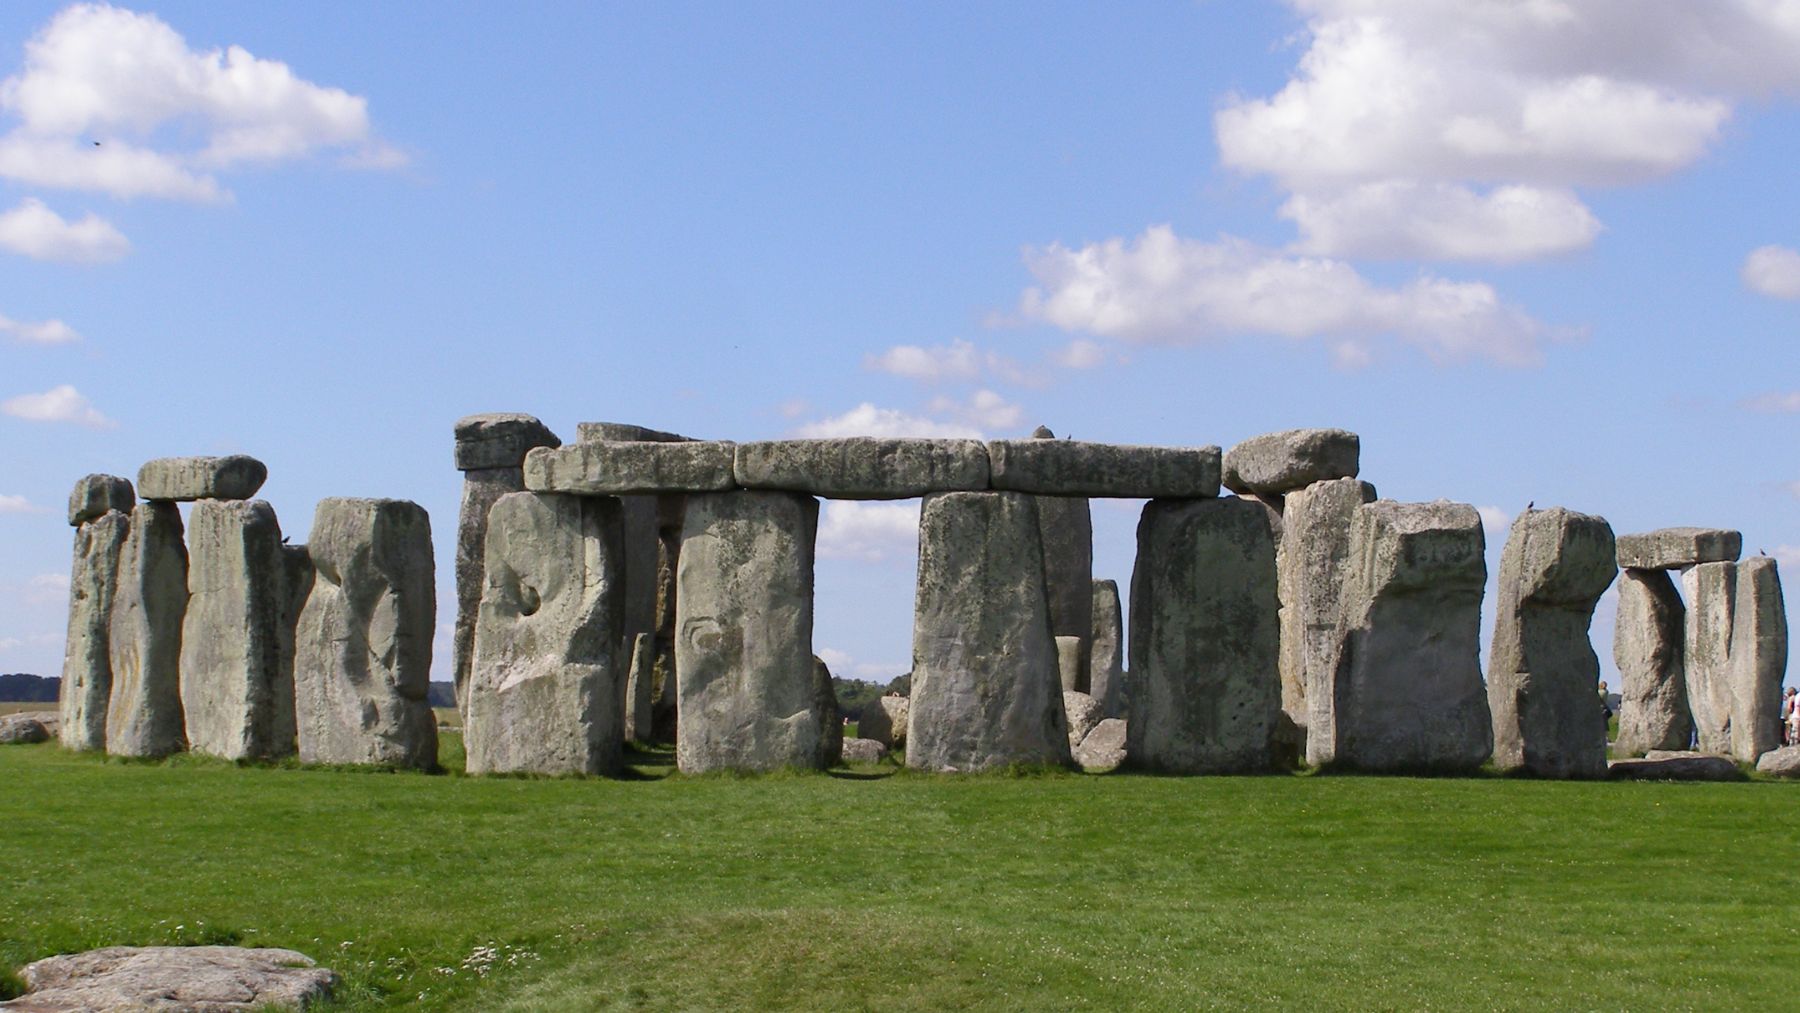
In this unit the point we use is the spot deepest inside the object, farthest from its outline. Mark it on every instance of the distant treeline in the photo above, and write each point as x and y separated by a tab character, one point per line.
22	688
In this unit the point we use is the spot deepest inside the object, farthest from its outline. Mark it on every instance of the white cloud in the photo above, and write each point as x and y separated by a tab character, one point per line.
41	332
1775	403
868	420
130	81
59	404
1082	353
984	410
40	233
1161	288
1495	521
792	408
844	665
47	589
1787	555
1773	271
868	531
17	505
959	360
1441	221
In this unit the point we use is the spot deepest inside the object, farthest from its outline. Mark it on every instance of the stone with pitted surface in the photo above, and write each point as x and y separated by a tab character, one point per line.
1735	655
1310	560
173	979
863	751
144	717
624	432
1083	713
1106	654
884	720
1647	648
1291	459
1674	765
94	495
87	663
1049	467
185	479
1783	762
863	467
499	440
22	730
606	468
1678	548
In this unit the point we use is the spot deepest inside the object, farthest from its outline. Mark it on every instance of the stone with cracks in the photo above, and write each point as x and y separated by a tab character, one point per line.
1309	565
1049	467
1106	654
985	688
1543	675
362	661
544	683
95	495
1104	747
1292	459
1665	765
863	467
1783	762
1647	648
640	680
1678	548
621	469
87	663
1083	713
1070	660
1205	639
185	479
885	720
208	979
749	696
481	489
499	440
1402	690
145	717
1735	648
1711	591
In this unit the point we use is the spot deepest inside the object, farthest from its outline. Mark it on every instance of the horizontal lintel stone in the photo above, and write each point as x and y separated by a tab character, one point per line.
499	439
1078	468
607	468
1675	548
185	479
864	467
617	432
1291	459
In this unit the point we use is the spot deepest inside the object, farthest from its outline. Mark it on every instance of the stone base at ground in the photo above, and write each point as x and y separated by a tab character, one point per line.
213	979
863	751
1664	765
1104	747
22	729
1783	762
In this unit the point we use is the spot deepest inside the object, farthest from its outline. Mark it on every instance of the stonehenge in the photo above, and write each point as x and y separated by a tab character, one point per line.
1106	652
101	530
144	717
1647	648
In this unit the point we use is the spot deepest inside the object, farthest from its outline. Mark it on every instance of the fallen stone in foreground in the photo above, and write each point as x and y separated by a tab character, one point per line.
1048	467
1661	765
94	495
1676	548
863	467
499	439
1291	459
1783	762
621	469
1104	747
213	979
185	479
22	729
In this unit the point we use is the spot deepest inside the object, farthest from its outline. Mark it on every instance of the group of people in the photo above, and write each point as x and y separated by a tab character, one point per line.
1790	716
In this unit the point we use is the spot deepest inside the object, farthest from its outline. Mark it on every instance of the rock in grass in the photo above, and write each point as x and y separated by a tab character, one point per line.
884	721
1647	647
186	479
1783	762
1103	748
212	979
22	729
1083	713
864	751
95	495
87	663
1662	765
144	717
1291	459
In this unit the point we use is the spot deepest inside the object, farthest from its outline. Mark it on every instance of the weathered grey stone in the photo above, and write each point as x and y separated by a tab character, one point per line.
181	479
22	730
1104	747
1291	459
1663	765
363	648
198	979
1205	639
1070	660
1309	563
1106	653
145	717
1076	468
885	720
831	720
639	684
237	668
1677	548
1783	762
863	751
95	495
1711	592
1647	647
617	469
1066	529
543	686
1402	690
481	489
1272	504
87	664
743	656
1543	675
985	689
1082	712
1735	648
499	440
624	432
863	467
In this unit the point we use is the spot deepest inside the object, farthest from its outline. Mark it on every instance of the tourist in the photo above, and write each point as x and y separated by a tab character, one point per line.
1790	717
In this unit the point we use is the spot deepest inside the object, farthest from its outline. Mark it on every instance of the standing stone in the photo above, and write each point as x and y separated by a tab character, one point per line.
94	496
363	647
1711	593
1066	528
490	451
985	687
145	716
237	675
1543	676
87	664
884	721
831	720
1310	570
543	683
1647	647
1205	639
1070	660
639	683
1402	690
1106	654
743	655
1736	648
671	510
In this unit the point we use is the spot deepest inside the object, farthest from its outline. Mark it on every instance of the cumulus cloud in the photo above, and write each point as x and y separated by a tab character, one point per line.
983	410
59	404
41	332
166	116
959	360
845	665
868	420
1441	221
1773	271
867	531
1495	521
10	504
1082	354
1163	289
40	233
1775	403
47	589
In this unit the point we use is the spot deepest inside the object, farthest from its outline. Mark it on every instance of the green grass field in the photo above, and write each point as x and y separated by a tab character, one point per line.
873	890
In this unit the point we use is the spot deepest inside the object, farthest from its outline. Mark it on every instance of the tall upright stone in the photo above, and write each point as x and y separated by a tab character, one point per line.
743	651
639	682
831	720
1205	639
237	674
1315	543
1647	647
1402	690
362	662
1543	675
1106	655
985	687
1066	528
145	716
490	452
87	665
1711	593
1736	655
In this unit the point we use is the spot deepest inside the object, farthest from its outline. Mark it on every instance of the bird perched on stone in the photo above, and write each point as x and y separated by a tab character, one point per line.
1530	506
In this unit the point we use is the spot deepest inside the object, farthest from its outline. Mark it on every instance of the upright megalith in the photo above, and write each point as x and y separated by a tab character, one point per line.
831	720
1543	675
1106	654
188	479
1205	639
237	666
100	533
1066	528
1647	648
543	683
1291	459
1309	562
145	717
985	687
1735	648
743	651
1402	689
639	682
1071	663
490	452
362	659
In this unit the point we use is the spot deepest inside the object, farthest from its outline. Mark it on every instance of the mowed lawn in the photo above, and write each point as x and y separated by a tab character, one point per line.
879	891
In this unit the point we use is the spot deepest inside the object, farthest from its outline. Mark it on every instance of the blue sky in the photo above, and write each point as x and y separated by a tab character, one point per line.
1529	251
